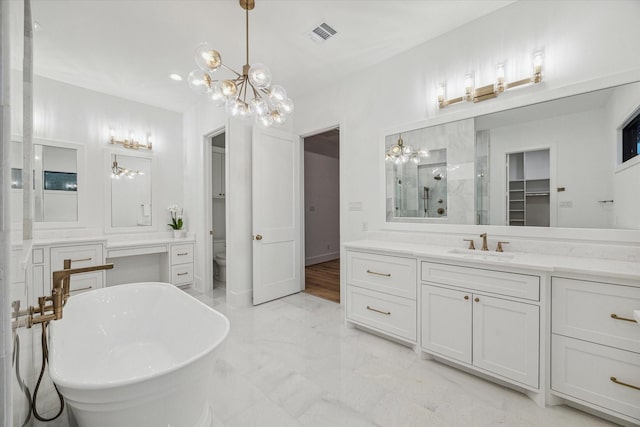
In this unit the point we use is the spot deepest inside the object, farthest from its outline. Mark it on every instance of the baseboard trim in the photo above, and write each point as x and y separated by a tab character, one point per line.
321	258
240	299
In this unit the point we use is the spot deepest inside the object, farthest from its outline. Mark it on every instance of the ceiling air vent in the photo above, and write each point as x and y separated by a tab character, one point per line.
322	33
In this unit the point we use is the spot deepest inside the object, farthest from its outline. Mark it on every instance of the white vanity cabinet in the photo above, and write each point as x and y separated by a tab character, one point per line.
470	315
181	264
595	345
381	293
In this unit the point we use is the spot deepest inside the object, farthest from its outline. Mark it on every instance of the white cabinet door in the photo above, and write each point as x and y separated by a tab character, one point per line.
446	322
277	256
506	338
217	166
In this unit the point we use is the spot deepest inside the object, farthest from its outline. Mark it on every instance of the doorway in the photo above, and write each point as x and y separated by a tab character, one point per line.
322	214
218	210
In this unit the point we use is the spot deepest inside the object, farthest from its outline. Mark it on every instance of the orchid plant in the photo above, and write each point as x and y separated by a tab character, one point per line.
176	218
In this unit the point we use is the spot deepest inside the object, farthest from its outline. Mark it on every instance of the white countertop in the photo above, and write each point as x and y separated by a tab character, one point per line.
540	262
118	244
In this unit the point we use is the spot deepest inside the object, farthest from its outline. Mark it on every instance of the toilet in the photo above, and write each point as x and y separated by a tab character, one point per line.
220	259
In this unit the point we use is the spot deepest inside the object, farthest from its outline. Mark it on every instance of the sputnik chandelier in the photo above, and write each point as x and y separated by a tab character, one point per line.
118	171
249	94
400	153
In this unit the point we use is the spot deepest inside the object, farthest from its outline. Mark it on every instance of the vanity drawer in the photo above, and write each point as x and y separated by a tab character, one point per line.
182	274
383	273
584	370
497	282
386	313
181	254
80	256
583	309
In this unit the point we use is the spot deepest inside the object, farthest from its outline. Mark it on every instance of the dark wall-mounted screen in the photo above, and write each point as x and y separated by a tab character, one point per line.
61	181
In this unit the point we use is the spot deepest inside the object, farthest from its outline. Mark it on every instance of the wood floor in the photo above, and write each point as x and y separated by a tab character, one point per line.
323	280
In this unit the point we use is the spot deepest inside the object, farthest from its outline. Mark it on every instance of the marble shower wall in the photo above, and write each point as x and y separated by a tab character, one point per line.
458	138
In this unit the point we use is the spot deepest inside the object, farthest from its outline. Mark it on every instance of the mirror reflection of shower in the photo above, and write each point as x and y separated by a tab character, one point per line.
432	178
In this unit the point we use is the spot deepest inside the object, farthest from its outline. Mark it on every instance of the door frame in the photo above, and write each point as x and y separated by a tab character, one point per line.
303	224
208	206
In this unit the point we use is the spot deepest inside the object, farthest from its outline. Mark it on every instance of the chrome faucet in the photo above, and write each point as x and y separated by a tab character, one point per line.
59	294
484	242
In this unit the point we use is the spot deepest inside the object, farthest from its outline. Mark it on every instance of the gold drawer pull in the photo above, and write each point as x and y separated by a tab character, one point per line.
379	274
615	380
183	253
80	260
182	274
626	319
81	289
386	313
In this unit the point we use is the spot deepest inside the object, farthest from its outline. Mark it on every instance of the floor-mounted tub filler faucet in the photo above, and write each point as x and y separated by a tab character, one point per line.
59	294
484	242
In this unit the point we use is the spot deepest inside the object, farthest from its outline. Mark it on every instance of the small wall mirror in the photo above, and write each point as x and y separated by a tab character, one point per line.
130	191
55	184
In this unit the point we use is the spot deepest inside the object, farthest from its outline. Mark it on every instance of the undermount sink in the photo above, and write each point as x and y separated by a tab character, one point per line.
486	255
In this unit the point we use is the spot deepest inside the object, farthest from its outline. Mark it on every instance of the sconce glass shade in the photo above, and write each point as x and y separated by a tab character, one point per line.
229	88
197	81
500	72
277	94
207	58
538	59
260	76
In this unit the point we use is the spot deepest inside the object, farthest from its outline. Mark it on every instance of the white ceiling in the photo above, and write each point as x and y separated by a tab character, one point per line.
127	48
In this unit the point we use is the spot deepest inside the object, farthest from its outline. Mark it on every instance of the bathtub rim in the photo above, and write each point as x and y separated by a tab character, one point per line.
70	384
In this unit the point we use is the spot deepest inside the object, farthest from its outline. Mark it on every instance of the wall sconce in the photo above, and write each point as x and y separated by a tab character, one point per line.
130	142
492	90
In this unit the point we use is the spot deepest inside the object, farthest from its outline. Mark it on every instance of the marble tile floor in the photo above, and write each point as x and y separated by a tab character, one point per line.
292	362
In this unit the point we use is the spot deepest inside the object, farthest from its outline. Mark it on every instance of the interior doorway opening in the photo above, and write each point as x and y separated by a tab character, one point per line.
218	210
322	214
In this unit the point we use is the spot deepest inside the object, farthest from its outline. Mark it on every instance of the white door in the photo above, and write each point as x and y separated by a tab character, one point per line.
446	322
276	214
506	337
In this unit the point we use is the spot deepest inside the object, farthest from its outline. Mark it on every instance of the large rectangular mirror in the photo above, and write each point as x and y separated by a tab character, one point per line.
55	181
130	191
559	163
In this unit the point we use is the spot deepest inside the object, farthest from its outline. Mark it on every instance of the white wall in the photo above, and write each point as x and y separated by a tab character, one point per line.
580	162
322	208
381	100
400	94
71	114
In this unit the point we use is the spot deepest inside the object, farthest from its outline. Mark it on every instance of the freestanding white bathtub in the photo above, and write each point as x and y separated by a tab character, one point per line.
136	355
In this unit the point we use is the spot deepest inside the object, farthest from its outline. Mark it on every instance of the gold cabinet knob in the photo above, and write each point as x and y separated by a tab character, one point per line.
258	237
477	300
466	297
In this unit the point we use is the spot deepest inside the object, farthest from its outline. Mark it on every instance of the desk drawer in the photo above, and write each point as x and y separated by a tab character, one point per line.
181	254
80	256
387	313
583	309
182	274
584	370
496	282
382	273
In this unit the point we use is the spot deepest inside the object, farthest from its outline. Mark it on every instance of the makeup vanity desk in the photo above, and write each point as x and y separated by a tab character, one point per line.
162	259
559	329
